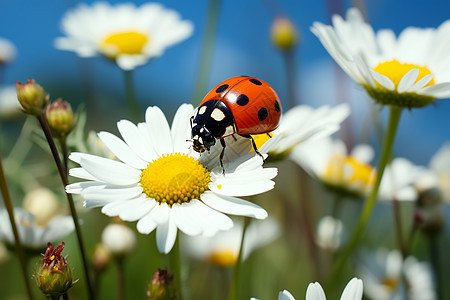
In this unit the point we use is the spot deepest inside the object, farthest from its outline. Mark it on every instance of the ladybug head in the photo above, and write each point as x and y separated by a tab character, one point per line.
202	139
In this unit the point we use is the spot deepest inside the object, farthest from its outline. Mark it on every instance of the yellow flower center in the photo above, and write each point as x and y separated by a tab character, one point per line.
261	139
175	178
390	283
348	173
126	42
223	257
395	71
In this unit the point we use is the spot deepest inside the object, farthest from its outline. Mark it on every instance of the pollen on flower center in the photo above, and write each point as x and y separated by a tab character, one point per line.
348	172
395	71
175	178
127	42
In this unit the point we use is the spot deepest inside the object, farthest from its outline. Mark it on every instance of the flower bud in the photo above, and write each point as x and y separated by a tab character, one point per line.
54	277
162	286
31	96
101	258
118	239
60	118
284	34
42	203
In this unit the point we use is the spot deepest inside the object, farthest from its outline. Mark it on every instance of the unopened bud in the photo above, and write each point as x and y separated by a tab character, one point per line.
118	239
101	258
31	96
162	286
54	277
284	34
60	118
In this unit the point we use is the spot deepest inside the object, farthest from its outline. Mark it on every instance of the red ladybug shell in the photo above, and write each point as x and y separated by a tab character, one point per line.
254	104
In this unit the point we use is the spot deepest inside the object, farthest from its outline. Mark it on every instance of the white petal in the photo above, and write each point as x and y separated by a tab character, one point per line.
146	224
353	290
110	171
137	210
160	213
159	130
440	90
315	292
383	80
233	206
114	208
285	295
421	83
166	234
184	218
134	139
181	129
120	149
210	219
363	153
82	174
407	80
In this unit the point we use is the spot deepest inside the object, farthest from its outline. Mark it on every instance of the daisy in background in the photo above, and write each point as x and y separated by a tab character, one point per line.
301	124
223	249
398	181
330	233
409	71
348	174
163	184
387	275
124	33
8	51
10	107
440	167
352	291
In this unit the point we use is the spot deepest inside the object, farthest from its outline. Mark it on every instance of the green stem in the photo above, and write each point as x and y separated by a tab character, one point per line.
133	105
394	117
206	52
62	174
176	268
120	278
398	228
237	268
22	146
436	263
9	207
291	78
63	144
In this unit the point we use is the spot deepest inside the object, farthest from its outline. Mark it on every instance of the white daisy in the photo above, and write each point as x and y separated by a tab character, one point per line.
352	291
223	248
329	161
302	124
7	51
440	166
10	107
162	183
330	233
34	237
409	71
383	271
127	34
398	181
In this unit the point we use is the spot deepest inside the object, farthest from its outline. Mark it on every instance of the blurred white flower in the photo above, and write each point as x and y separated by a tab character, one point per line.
352	291
118	239
440	166
408	71
42	203
163	184
10	107
328	161
382	273
33	236
223	248
8	51
330	233
127	34
398	181
301	124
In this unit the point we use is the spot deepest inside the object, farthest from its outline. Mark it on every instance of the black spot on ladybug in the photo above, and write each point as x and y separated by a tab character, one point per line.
262	114
242	100
277	106
255	81
222	88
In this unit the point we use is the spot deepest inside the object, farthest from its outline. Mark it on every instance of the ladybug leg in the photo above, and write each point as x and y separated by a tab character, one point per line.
222	142
254	145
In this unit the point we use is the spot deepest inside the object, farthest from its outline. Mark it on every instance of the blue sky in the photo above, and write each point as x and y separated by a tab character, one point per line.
242	47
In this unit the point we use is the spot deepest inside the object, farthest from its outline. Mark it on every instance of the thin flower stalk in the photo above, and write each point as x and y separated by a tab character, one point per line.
132	103
207	51
394	117
62	173
176	268
9	207
237	268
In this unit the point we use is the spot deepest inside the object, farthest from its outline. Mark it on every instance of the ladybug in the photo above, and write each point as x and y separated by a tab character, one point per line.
242	105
